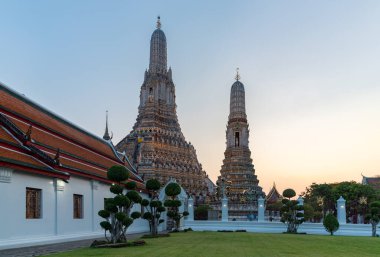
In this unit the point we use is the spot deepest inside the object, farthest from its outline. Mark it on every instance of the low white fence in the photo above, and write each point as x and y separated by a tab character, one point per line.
277	227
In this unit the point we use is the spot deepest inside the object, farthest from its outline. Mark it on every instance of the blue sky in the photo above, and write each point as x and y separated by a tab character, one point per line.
310	70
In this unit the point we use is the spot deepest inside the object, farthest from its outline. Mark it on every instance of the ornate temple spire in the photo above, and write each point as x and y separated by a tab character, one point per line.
106	135
237	99
158	52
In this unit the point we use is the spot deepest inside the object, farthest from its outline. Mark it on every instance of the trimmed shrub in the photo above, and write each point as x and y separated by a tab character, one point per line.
331	223
172	189
153	184
117	173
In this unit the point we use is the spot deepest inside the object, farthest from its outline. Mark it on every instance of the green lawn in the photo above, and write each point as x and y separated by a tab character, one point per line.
237	244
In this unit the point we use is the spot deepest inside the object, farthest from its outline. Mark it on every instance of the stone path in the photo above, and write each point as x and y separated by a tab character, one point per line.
53	248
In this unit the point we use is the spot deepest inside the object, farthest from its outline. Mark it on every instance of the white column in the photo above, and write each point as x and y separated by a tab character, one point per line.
94	187
341	208
225	209
261	209
190	209
300	202
59	187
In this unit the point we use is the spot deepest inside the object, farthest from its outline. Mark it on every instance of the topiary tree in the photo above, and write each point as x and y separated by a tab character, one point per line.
290	211
331	223
374	215
172	190
117	211
153	207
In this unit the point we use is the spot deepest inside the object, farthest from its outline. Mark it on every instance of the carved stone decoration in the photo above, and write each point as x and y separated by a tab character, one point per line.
6	175
156	146
238	169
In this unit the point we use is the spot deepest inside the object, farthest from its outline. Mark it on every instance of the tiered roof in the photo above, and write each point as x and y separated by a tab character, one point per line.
273	195
374	182
34	139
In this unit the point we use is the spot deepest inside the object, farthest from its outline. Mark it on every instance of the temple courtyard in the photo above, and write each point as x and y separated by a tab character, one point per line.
242	244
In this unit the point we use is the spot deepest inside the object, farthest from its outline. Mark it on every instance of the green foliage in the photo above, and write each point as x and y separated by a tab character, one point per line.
161	208
135	215
105	225
145	202
290	211
131	185
127	221
155	204
120	216
134	196
289	193
117	209
172	189
153	185
121	200
104	214
309	211
147	216
331	223
374	215
322	197
116	189
185	213
117	173
172	203
111	206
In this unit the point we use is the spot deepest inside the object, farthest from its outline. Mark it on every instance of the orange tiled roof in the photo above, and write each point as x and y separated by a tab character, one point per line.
81	153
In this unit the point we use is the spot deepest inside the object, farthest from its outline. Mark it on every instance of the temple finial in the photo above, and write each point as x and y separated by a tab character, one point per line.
237	77
106	135
158	22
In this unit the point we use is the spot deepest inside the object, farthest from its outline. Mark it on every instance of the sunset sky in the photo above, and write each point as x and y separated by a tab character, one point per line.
311	71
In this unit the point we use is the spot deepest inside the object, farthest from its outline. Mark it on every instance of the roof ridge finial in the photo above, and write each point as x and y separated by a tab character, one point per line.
158	22
106	135
237	77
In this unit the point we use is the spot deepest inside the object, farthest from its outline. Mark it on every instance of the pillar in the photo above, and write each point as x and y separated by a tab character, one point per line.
225	209
261	209
341	209
300	202
190	209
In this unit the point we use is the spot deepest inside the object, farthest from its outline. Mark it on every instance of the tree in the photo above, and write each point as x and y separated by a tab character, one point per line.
320	197
172	190
290	211
323	197
153	207
330	223
117	209
373	216
353	193
309	213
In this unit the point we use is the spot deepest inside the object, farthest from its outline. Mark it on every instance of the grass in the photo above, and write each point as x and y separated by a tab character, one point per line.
208	244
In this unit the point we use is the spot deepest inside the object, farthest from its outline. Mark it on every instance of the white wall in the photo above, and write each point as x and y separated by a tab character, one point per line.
57	223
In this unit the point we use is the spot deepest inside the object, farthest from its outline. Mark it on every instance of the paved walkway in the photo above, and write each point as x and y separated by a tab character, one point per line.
54	248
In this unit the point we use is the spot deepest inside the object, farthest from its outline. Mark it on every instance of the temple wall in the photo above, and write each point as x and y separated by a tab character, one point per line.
56	223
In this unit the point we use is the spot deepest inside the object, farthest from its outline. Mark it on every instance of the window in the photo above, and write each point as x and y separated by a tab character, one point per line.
78	206
237	139
33	203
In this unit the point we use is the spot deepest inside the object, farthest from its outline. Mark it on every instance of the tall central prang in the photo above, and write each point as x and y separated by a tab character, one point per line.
156	146
237	169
